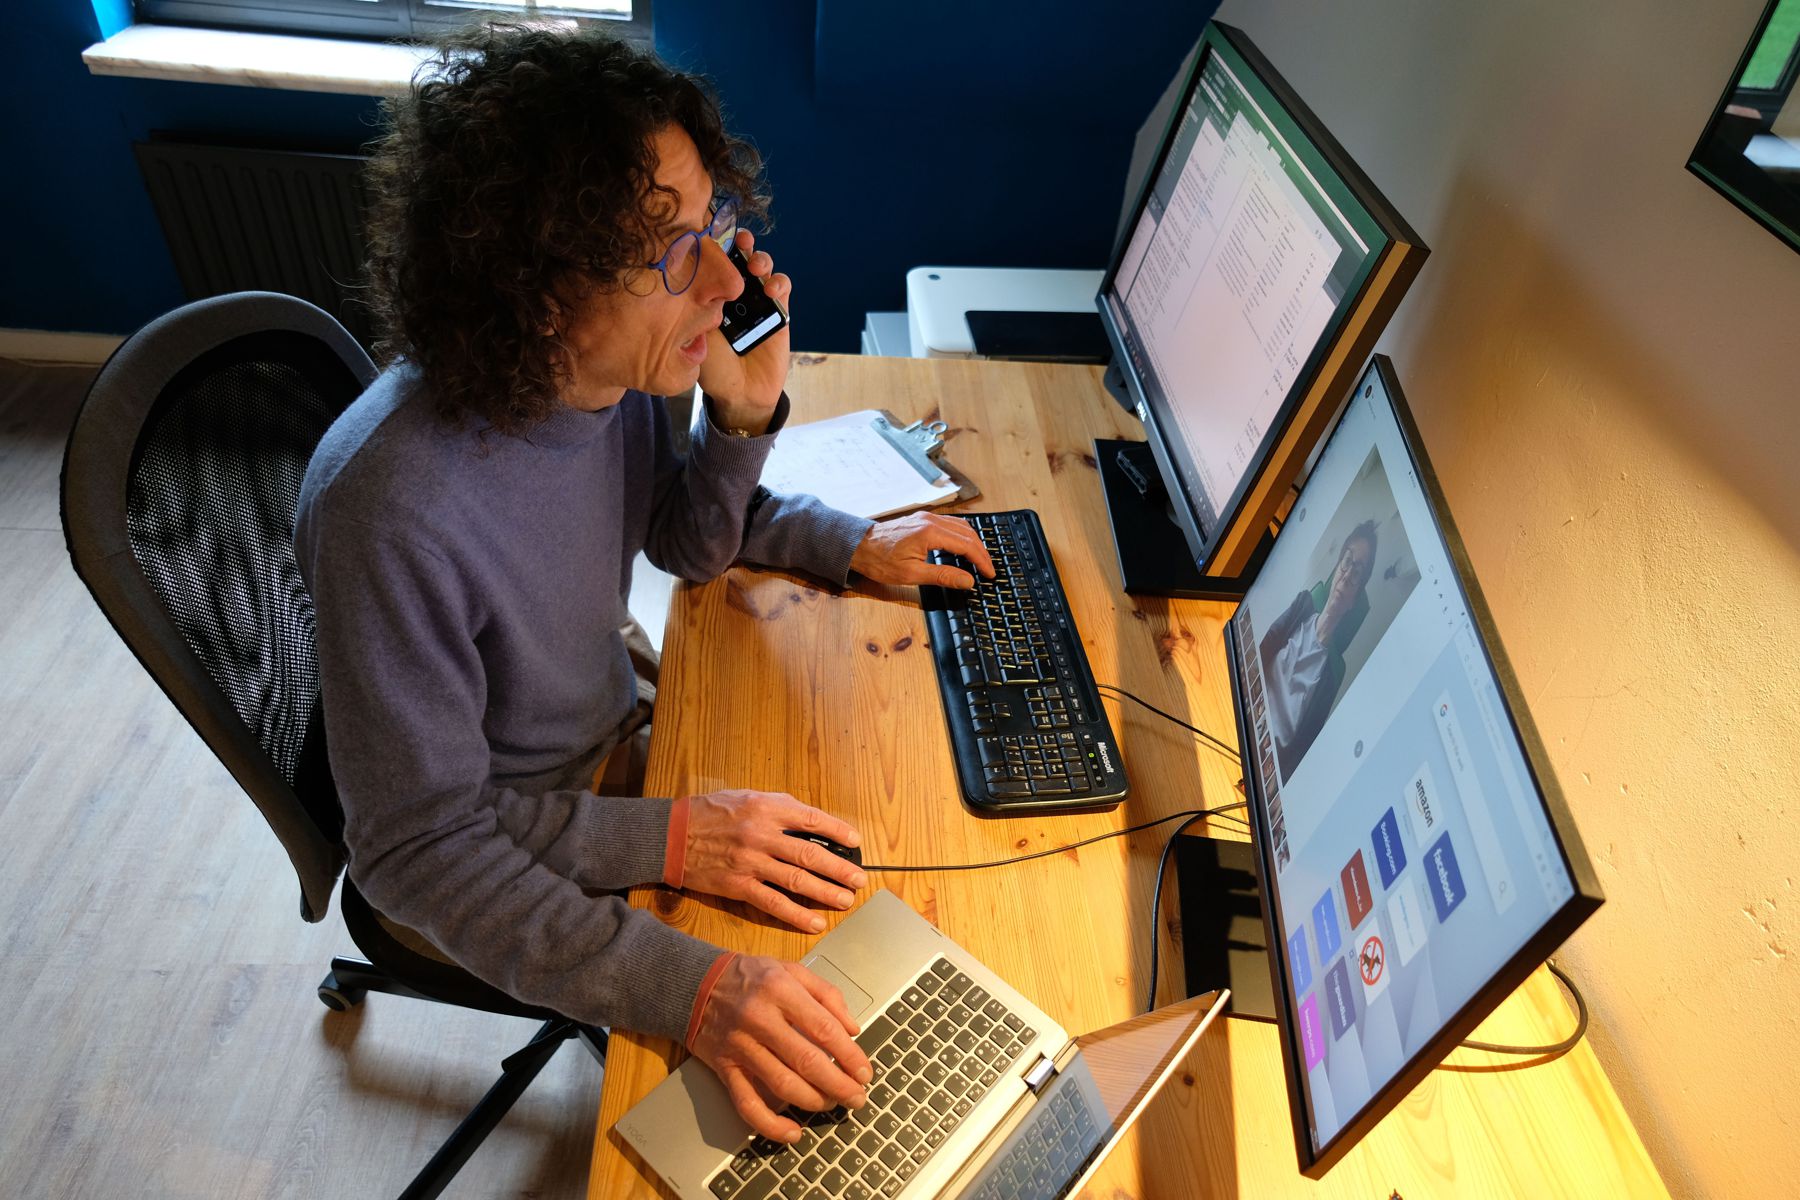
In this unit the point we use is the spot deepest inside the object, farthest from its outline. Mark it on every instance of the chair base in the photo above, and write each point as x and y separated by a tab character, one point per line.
351	980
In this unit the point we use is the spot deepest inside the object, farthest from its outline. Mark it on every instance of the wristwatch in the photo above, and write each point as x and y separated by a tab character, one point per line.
712	413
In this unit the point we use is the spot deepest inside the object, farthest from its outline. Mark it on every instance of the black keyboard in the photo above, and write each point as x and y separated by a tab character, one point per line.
937	1049
1026	726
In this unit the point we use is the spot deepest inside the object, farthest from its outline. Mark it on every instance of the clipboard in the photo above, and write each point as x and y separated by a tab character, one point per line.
867	463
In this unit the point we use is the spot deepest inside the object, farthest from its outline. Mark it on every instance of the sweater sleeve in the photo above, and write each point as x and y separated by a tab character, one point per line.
786	531
493	877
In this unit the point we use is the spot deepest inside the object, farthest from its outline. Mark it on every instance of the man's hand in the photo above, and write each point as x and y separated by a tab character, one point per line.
770	1031
746	388
894	551
738	847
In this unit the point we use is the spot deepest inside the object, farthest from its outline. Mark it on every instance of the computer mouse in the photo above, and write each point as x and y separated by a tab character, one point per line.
849	853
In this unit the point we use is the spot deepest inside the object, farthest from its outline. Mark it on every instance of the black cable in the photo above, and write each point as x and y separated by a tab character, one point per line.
1211	742
1548	1053
1156	903
1193	814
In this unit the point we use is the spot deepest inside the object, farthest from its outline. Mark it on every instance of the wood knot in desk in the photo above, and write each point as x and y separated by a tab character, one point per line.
666	904
1169	644
899	647
1059	459
765	598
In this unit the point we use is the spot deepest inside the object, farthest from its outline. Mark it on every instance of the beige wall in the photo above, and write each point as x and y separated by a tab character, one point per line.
1603	357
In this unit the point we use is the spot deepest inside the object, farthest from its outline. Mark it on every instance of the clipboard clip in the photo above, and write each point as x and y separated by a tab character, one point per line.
916	443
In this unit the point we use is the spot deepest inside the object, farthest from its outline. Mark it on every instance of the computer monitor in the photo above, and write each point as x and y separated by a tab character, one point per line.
1415	857
1248	291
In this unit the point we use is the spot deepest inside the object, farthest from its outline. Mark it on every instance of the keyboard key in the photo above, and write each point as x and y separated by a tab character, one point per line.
759	1186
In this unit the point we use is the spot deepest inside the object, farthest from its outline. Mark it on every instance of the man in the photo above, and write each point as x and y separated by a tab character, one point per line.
1303	650
547	239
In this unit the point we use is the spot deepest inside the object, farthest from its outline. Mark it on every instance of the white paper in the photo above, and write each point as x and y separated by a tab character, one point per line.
851	467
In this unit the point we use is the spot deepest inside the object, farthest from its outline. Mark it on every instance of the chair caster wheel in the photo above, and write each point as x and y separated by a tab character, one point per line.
338	998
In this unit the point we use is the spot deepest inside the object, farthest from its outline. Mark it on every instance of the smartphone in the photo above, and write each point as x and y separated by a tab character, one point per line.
753	316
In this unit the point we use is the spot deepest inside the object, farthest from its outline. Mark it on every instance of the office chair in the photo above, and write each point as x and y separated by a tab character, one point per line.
179	489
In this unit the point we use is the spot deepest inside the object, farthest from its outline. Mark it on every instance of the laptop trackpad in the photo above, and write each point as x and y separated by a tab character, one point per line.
855	999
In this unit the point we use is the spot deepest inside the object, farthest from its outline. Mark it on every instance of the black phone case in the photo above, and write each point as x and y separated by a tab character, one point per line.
752	318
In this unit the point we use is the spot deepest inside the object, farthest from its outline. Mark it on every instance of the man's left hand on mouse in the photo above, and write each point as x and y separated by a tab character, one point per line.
738	847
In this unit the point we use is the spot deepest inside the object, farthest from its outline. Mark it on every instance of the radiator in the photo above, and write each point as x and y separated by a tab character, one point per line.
239	219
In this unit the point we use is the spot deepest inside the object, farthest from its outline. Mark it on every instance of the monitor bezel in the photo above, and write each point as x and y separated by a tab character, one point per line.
1581	904
1390	236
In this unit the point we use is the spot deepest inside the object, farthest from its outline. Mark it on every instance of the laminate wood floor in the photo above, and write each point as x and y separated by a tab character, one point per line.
159	1031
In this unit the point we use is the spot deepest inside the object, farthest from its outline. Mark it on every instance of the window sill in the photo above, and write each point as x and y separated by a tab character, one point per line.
264	60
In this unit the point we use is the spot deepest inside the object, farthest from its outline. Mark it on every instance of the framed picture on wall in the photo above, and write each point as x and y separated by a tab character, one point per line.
1750	151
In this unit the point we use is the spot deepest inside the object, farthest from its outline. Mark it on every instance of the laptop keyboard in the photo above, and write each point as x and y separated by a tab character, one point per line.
937	1050
1045	1158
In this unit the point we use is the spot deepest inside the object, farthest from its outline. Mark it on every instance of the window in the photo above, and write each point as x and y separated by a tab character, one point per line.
386	18
1750	150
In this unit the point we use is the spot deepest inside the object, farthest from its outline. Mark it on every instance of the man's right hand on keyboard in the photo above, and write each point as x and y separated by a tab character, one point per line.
899	551
777	1034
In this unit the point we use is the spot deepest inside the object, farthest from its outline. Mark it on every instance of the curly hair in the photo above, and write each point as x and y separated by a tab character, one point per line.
514	181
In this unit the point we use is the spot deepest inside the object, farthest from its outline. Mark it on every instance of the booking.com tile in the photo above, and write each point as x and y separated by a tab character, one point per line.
1325	926
1297	958
1390	855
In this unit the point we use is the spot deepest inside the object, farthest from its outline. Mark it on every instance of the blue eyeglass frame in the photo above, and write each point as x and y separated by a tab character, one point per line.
728	205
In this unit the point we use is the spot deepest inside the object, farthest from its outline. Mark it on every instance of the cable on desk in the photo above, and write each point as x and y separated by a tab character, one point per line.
1211	742
1192	815
1162	864
1546	1054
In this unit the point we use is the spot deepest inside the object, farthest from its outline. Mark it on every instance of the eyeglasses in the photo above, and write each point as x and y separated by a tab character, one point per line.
680	263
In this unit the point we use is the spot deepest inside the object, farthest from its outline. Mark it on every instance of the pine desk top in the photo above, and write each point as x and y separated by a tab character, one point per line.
770	681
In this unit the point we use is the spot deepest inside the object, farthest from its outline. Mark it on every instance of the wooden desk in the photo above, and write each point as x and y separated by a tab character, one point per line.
769	681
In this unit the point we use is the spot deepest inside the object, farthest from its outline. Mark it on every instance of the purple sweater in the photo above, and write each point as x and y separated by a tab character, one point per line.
469	591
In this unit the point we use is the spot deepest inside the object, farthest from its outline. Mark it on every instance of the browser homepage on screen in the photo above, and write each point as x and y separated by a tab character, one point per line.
1412	852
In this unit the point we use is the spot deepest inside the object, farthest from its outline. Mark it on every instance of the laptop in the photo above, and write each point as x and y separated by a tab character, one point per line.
977	1092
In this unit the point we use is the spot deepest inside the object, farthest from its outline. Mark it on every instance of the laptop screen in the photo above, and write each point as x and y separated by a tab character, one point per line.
1409	853
1085	1108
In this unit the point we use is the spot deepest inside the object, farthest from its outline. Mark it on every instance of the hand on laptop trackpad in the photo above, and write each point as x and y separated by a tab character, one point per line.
855	999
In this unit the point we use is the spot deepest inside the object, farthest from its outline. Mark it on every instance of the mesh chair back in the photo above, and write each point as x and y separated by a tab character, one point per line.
179	495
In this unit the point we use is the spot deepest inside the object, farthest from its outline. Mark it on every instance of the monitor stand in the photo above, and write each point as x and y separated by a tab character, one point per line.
1154	559
1223	940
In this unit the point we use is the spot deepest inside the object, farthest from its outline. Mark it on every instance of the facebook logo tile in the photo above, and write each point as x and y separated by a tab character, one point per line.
1443	878
1390	855
1298	962
1325	926
1339	999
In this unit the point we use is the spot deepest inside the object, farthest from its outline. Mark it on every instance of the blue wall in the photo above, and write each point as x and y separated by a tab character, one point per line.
889	142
